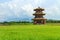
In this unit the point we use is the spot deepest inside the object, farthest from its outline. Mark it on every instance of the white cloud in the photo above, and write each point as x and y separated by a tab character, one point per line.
24	8
28	8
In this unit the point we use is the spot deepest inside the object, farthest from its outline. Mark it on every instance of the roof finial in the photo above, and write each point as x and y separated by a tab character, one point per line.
38	7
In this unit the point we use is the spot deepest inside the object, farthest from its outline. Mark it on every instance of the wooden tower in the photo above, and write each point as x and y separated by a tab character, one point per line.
39	19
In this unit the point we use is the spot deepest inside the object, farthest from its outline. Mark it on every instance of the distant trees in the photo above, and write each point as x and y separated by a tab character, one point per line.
53	21
15	22
26	22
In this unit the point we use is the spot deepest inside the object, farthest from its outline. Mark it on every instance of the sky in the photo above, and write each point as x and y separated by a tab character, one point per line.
22	10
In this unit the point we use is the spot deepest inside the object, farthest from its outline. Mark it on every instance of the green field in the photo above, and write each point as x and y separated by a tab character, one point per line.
50	31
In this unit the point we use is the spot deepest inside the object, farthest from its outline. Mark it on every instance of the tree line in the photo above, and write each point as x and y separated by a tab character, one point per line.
26	22
53	21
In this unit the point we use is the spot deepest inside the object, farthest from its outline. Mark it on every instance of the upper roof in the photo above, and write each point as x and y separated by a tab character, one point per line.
39	9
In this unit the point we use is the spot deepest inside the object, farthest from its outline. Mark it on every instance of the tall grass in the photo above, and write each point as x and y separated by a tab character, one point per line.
49	31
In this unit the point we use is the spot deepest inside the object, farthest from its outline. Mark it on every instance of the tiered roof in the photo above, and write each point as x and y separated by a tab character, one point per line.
39	9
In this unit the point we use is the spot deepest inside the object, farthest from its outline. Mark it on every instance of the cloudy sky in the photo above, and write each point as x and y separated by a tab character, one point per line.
15	10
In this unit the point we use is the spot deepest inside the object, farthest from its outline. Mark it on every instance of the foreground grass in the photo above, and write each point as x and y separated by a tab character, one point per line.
50	31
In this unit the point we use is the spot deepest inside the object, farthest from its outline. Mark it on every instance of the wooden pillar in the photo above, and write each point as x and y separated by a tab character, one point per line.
44	21
35	22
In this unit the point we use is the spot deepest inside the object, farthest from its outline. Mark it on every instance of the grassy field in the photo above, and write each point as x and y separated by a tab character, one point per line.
50	31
